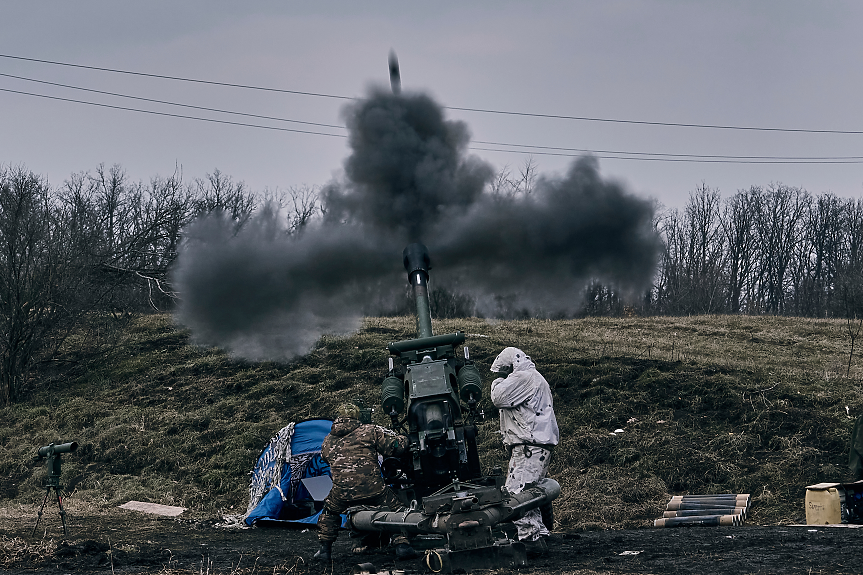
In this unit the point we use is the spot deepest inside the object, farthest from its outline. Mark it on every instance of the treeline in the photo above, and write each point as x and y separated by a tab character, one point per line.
776	250
79	257
767	250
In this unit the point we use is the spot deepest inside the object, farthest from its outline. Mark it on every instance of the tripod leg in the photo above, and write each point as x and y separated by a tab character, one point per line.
62	511
39	517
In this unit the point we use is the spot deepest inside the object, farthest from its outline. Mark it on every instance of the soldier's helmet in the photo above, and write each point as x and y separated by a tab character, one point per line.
348	411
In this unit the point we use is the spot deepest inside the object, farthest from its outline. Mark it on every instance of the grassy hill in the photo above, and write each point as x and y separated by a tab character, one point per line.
708	404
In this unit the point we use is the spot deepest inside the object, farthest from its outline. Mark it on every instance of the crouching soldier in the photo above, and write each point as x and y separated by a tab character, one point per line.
351	450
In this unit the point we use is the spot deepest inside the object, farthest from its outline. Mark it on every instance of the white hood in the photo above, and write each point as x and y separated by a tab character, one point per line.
512	356
524	400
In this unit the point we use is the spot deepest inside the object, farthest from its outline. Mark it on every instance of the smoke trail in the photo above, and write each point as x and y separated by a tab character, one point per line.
264	294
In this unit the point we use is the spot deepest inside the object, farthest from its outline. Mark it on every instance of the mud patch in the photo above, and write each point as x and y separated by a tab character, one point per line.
124	543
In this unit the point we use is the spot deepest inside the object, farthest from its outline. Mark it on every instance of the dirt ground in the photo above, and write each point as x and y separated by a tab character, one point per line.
126	542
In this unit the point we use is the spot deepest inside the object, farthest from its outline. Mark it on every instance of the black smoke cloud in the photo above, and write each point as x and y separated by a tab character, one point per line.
538	249
408	169
263	294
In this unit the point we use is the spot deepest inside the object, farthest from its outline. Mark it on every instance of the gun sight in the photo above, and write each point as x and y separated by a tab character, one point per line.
51	449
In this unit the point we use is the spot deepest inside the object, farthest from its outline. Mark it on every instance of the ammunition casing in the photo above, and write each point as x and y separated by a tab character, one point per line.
741	511
676	505
703	521
713	496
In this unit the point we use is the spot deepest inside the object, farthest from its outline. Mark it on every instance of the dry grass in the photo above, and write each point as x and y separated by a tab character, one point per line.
17	550
296	566
708	404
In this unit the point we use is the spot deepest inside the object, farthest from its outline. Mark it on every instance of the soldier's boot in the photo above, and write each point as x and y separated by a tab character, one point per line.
535	548
325	553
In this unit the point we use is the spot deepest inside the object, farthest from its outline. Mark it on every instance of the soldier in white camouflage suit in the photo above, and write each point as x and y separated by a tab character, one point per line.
351	450
529	430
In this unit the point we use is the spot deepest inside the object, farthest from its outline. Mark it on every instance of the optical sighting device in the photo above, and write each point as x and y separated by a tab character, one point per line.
52	453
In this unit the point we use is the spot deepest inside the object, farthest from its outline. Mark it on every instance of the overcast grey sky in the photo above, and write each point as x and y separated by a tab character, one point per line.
789	64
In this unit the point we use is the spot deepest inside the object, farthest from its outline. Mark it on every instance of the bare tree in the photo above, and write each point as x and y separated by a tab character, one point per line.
671	282
777	250
849	276
219	193
500	184
448	303
164	208
738	227
819	255
854	237
527	176
99	243
112	199
305	204
128	234
506	184
601	300
41	283
704	251
779	222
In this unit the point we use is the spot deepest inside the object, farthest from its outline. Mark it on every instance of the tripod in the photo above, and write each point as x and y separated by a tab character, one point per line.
49	485
52	481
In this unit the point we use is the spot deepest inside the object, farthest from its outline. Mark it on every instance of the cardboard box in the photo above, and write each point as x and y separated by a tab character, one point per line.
824	502
833	503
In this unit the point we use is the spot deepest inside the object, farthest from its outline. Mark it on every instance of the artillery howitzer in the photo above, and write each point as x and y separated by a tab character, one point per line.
452	506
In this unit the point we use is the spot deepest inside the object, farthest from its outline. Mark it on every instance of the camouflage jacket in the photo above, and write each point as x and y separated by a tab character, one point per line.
351	449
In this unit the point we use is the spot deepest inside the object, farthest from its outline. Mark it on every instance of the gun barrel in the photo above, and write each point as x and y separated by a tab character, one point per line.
417	263
399	347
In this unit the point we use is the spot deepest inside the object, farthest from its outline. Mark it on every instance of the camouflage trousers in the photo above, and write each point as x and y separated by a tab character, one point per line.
331	520
528	464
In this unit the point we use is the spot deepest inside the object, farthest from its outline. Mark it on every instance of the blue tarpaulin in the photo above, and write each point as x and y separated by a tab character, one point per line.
297	448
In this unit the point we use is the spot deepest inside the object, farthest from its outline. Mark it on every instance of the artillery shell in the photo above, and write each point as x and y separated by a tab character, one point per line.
741	511
395	75
708	499
676	505
704	521
742	497
713	496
